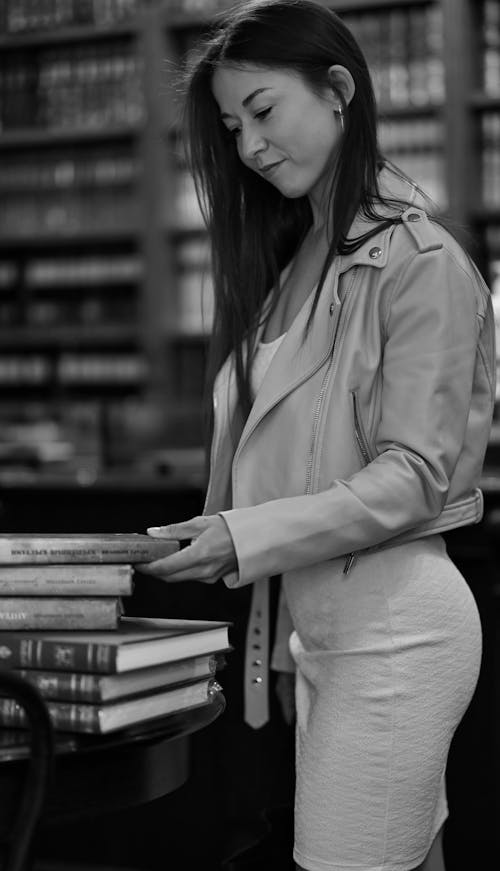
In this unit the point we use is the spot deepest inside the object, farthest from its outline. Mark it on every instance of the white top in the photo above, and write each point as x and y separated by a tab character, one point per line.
263	356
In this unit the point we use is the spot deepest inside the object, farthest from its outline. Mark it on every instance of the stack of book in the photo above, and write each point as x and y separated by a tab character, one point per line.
99	680
67	581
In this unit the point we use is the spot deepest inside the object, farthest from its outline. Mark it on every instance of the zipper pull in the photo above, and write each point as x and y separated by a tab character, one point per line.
351	559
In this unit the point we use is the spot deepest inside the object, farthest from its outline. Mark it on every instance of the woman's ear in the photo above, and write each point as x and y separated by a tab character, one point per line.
341	82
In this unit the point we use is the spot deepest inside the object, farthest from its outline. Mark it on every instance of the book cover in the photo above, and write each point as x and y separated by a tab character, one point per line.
138	642
81	687
105	579
114	547
100	719
54	612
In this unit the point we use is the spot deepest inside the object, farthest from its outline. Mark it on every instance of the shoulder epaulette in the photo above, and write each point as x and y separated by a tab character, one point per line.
420	228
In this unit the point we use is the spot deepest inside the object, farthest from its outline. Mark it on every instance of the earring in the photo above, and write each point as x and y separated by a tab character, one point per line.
341	118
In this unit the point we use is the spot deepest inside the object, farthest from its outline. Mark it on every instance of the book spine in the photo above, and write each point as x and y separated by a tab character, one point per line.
47	581
65	686
18	651
66	716
47	612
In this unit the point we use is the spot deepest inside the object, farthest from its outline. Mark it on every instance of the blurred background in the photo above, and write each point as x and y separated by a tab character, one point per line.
105	291
105	307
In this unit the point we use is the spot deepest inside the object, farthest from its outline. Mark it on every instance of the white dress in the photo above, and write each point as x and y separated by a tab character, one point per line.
387	660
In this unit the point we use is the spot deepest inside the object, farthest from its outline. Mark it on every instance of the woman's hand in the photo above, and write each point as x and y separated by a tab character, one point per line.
210	554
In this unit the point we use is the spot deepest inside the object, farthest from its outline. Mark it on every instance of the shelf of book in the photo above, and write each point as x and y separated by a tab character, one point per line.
484	215
481	101
184	14
68	35
21	138
111	335
60	239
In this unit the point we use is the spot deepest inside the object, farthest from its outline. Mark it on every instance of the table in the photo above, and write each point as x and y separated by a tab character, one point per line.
94	773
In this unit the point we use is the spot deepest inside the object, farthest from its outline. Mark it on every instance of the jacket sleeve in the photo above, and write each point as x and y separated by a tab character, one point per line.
431	330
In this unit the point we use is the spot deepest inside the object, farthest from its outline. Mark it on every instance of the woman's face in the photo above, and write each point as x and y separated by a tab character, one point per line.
283	130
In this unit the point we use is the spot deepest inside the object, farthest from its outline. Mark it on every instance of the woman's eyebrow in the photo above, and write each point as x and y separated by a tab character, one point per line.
247	100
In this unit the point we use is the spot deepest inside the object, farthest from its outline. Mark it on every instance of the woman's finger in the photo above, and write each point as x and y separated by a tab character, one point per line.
179	531
187	575
183	568
184	559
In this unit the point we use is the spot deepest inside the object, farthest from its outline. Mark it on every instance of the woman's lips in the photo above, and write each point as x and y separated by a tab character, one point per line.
270	167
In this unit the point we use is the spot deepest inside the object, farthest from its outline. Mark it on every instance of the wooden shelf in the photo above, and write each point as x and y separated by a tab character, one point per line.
481	101
485	215
185	232
53	388
180	338
178	20
430	110
187	471
347	6
60	36
95	237
71	336
13	139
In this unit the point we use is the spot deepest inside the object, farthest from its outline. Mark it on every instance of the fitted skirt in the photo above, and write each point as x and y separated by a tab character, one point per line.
387	661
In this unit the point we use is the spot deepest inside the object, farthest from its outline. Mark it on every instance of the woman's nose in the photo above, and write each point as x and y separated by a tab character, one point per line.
251	143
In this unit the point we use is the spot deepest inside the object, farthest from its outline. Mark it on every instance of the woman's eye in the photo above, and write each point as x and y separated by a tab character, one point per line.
263	113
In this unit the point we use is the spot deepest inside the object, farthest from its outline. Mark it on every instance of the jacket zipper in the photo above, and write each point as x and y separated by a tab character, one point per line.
319	403
317	411
359	432
316	416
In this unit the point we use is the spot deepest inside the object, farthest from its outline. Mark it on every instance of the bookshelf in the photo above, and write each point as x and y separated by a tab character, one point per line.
105	292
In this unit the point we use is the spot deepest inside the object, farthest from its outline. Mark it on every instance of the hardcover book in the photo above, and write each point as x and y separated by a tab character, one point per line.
66	580
99	719
138	642
81	687
54	612
114	547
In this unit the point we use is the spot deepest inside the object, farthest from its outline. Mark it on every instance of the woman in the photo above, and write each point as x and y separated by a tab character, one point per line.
353	346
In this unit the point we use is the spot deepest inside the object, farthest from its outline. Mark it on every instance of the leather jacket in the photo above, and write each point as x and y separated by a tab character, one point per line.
371	429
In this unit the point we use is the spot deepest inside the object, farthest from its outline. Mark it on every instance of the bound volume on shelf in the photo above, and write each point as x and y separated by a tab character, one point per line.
138	642
116	547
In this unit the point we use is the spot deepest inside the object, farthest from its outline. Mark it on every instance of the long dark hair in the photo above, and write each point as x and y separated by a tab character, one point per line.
254	229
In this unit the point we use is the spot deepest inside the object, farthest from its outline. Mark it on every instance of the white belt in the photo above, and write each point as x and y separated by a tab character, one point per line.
257	657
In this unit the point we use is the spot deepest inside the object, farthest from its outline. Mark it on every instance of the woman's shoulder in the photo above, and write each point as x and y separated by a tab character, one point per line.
425	257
